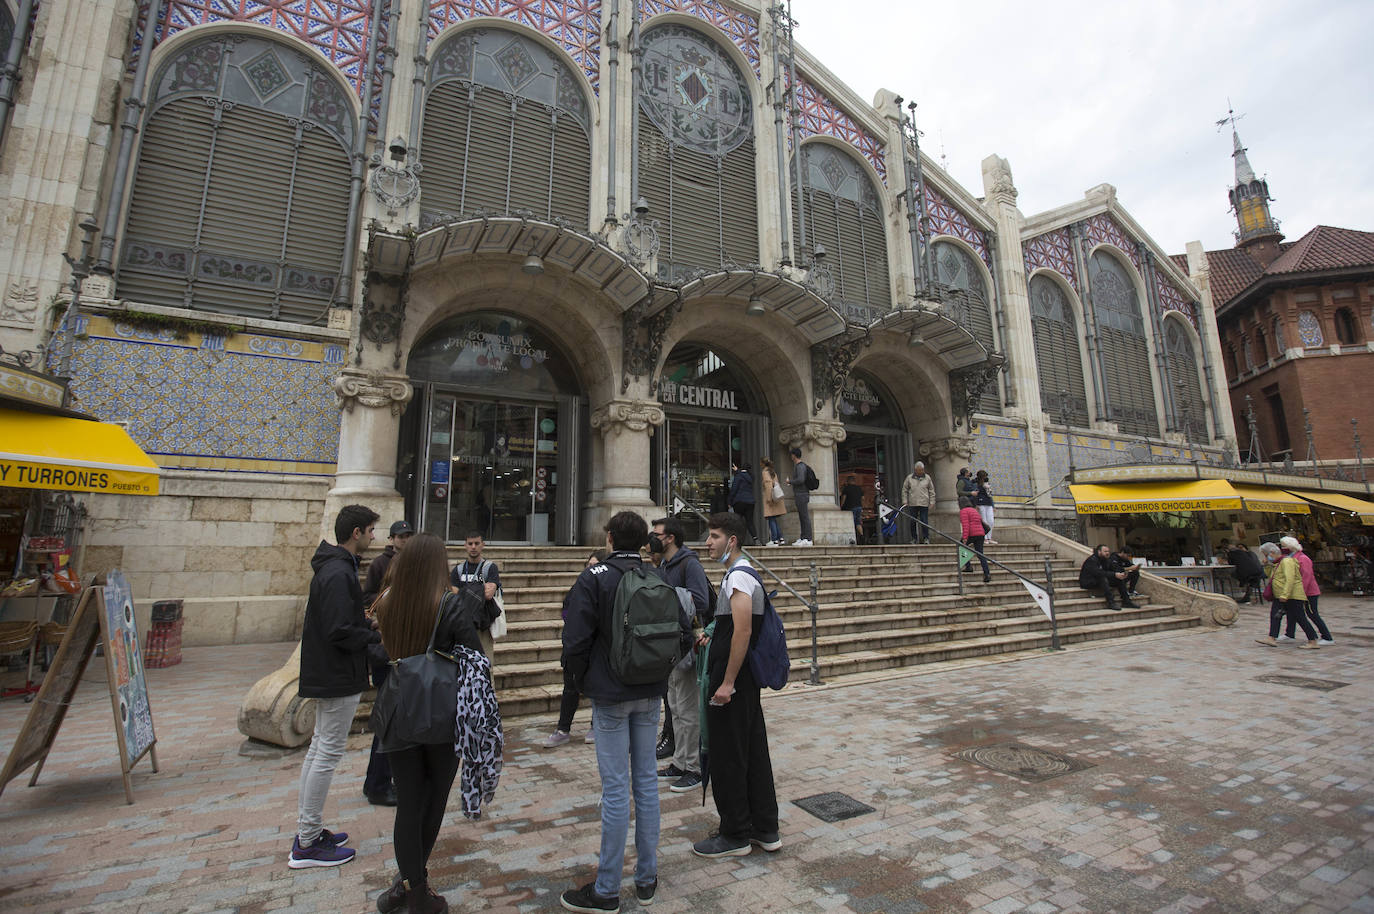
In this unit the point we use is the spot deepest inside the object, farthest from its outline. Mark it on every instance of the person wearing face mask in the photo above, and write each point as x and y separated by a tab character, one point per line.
680	567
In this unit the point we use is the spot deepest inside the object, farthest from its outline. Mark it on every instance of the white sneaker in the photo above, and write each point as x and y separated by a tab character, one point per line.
799	542
989	541
1285	638
771	543
556	738
1325	641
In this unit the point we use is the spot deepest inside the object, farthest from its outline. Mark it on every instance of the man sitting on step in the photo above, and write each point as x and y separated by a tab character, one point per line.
1097	576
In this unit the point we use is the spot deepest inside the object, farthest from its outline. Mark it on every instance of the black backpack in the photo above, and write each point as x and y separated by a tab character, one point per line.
812	483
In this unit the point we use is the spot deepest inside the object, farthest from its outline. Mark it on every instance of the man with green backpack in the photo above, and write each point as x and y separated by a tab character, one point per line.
625	630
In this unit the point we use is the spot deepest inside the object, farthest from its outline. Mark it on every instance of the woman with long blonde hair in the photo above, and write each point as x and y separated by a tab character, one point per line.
417	605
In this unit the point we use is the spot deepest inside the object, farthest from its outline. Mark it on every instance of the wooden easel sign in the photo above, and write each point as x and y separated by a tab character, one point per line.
104	614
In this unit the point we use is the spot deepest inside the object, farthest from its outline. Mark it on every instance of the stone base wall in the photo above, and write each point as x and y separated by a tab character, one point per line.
235	548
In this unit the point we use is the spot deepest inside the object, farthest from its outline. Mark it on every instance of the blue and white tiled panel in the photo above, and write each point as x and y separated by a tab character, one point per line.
241	402
1005	453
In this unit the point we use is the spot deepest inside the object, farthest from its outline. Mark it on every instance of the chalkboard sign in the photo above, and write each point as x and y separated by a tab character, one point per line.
104	614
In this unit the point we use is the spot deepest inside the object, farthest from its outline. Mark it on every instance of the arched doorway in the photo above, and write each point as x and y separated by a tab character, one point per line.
491	442
714	416
876	450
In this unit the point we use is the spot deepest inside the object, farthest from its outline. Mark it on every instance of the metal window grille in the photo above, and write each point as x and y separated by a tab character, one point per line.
955	268
240	197
843	214
1189	404
1122	345
1058	356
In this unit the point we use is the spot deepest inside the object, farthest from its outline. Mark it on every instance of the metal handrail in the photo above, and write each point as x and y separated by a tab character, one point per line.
681	506
1049	572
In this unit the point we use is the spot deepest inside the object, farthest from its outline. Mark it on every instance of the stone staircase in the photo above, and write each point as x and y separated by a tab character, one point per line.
881	607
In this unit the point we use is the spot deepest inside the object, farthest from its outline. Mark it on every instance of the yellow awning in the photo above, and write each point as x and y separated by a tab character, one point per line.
1273	501
1348	504
1137	498
39	451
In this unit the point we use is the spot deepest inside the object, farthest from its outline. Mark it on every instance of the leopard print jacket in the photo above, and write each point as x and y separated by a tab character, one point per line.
479	740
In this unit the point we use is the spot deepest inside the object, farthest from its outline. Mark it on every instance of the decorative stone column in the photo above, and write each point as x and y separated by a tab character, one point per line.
626	426
944	457
371	402
817	439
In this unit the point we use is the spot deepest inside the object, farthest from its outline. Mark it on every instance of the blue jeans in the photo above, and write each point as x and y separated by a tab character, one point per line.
626	733
774	531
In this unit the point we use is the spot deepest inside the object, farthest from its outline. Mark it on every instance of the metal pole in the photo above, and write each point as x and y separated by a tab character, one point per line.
815	608
357	167
1054	620
613	44
80	270
9	68
959	571
792	90
1359	457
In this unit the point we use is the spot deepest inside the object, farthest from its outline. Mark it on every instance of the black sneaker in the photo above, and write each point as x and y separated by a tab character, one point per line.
721	846
394	898
645	893
688	781
586	899
665	747
768	840
672	771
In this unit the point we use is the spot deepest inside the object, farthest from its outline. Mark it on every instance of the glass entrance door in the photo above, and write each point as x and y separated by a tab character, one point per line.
491	468
699	454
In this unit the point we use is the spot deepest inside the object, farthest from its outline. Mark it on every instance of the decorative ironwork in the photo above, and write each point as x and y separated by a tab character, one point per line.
1054	251
819	279
819	116
384	305
1359	455
395	185
832	361
641	233
26	358
693	92
574	25
643	336
741	27
968	385
1103	229
1025	762
947	219
1171	299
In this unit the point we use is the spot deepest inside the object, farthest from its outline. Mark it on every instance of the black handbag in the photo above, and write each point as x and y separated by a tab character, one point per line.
418	702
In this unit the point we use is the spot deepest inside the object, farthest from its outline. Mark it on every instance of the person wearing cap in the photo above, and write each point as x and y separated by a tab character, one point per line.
1291	546
377	785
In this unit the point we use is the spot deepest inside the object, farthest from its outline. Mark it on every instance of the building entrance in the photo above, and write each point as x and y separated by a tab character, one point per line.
876	450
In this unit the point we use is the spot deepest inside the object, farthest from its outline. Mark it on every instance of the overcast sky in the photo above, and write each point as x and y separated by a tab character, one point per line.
1076	94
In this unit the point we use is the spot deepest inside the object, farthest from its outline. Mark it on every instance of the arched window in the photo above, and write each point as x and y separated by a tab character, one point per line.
1058	357
1279	345
506	128
240	197
1346	331
843	213
1122	345
1190	410
1261	346
954	267
696	152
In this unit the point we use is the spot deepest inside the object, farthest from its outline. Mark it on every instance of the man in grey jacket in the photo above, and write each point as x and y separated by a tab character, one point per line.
918	493
681	568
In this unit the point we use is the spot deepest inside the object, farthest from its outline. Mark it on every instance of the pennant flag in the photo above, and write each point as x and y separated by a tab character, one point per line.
966	555
1041	596
884	512
679	506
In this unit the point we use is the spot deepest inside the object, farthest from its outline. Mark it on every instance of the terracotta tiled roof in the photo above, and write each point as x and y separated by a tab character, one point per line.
1232	270
1326	248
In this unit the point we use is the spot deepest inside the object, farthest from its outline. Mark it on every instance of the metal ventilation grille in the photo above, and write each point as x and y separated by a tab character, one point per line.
1123	348
1189	404
1058	358
955	267
855	245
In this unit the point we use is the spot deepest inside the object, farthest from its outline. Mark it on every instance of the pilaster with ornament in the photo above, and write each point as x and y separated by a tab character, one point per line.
373	389
815	432
967	386
619	416
831	363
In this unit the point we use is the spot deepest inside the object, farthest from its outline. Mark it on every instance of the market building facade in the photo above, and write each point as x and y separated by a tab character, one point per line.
514	266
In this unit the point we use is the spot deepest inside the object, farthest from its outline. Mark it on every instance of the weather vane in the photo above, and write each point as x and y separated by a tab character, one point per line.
1230	118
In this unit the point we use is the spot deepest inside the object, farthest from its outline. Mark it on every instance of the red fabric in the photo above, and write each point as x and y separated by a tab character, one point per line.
971	523
1309	576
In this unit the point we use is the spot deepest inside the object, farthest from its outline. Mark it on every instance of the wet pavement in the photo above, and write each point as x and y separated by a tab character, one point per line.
1156	774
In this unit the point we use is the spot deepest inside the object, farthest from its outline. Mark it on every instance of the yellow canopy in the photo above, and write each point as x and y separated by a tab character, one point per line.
1194	495
1336	501
39	451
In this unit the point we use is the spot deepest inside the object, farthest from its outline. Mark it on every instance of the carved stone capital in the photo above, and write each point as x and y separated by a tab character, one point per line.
958	447
819	432
372	389
627	415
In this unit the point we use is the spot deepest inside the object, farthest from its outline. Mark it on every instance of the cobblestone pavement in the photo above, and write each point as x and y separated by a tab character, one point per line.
1202	789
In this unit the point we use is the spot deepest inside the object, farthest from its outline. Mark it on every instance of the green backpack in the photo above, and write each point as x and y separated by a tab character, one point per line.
646	628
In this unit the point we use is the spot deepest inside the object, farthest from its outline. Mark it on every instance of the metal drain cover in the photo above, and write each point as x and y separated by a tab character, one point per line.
832	807
1025	762
1302	682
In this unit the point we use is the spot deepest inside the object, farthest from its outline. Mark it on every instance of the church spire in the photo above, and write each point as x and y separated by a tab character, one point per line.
1257	228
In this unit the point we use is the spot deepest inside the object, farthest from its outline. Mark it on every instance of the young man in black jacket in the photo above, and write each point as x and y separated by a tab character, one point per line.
334	640
377	785
626	721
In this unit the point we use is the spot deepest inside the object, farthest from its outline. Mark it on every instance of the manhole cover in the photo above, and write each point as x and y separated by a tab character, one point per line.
832	807
1302	682
1025	762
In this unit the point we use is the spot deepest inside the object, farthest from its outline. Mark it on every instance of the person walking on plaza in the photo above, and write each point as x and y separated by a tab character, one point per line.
982	500
971	526
626	721
918	493
774	506
334	638
742	497
1291	546
852	500
472	571
377	785
740	768
801	494
1096	575
416	607
680	567
1285	588
567	705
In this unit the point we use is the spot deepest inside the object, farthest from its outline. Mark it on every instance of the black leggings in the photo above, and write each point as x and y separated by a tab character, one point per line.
567	707
423	776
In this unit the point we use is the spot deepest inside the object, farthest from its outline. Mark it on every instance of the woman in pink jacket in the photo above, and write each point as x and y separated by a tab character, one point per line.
971	524
1291	546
